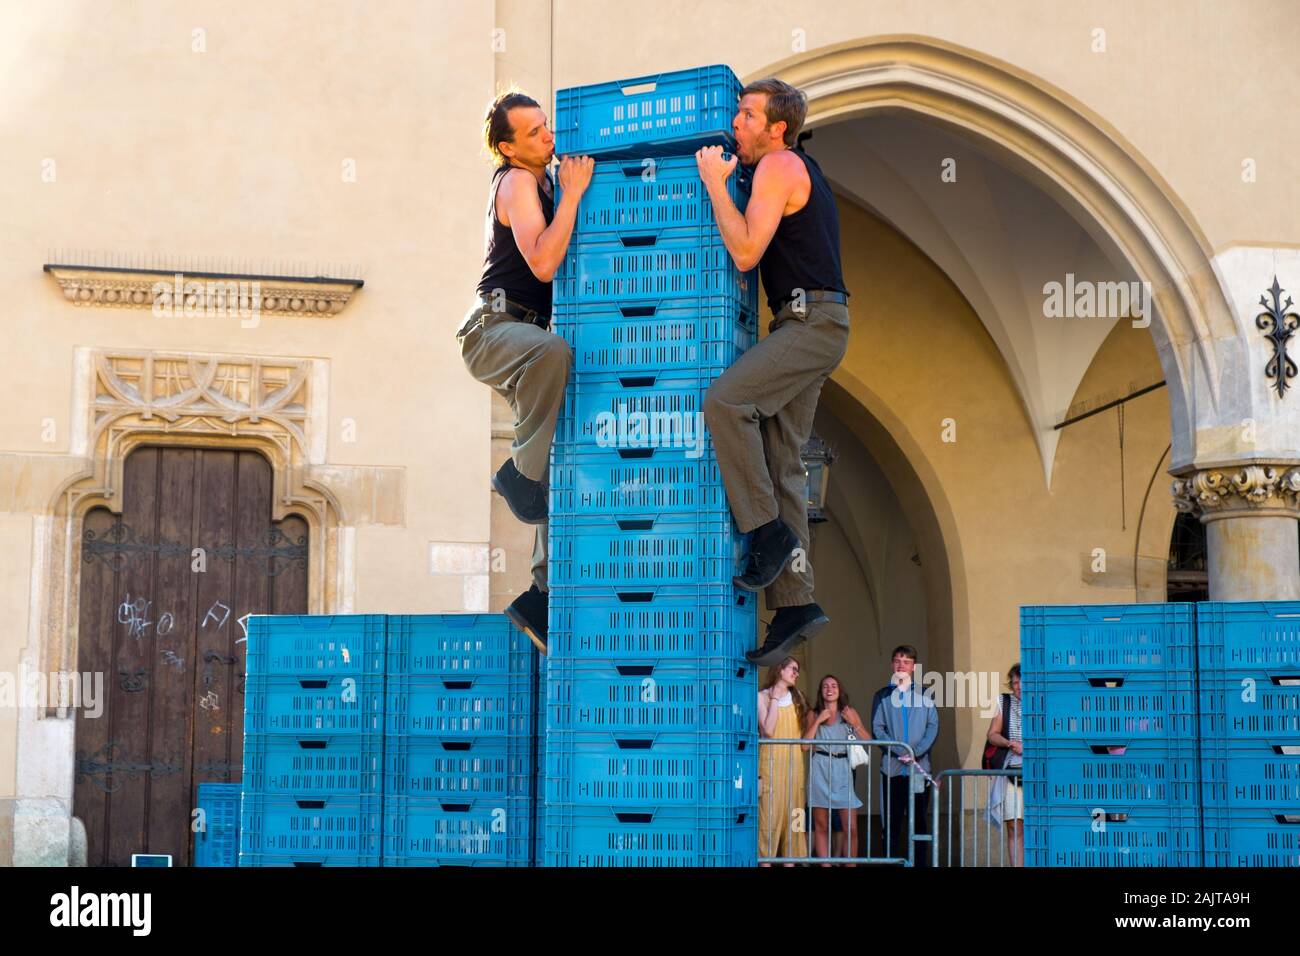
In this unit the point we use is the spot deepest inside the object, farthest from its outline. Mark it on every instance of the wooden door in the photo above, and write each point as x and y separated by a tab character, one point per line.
165	624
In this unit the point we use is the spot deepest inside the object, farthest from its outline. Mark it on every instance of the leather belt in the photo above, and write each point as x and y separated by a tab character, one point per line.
817	295
520	313
827	753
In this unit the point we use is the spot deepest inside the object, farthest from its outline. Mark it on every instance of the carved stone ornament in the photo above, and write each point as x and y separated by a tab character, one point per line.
197	294
1226	492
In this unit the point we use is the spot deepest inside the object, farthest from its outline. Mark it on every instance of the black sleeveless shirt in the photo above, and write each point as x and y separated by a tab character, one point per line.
805	250
504	266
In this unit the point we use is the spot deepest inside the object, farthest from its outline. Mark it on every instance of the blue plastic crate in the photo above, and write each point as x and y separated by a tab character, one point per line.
1258	705
643	551
1236	773
217	844
640	697
309	645
459	706
662	113
660	192
484	830
304	706
250	860
482	645
1110	708
648	265
642	416
1112	836
329	765
1252	836
650	836
662	770
1113	772
310	827
663	624
1249	635
601	481
1146	639
701	332
451	767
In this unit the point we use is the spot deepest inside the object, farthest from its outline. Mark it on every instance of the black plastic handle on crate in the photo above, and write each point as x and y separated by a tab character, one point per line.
313	684
312	744
1285	680
626	453
457	745
312	863
631	172
635	817
637	381
1108	750
635	670
1286	750
635	524
310	804
457	684
1115	817
455	807
630	242
638	311
635	597
1289	819
639	743
1105	681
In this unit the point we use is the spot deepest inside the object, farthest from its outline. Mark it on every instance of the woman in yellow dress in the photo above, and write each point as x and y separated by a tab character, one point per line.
782	829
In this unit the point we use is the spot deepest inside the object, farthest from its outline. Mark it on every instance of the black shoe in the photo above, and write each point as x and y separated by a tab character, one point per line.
769	553
790	627
526	498
528	613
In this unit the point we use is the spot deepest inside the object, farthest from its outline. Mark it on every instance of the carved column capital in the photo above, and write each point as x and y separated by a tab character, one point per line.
1239	491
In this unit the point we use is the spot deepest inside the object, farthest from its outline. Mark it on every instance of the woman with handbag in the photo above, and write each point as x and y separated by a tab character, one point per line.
831	784
1003	752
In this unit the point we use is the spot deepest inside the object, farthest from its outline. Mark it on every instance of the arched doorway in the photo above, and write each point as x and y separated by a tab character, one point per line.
166	588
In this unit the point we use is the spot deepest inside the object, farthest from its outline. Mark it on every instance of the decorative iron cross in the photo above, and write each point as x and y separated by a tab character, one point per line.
1278	325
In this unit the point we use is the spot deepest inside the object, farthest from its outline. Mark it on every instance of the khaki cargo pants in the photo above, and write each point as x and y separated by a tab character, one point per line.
528	367
760	414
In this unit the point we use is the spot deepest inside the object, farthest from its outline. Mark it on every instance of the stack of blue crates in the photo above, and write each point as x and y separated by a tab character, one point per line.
217	843
1110	735
650	744
1249	659
394	740
313	741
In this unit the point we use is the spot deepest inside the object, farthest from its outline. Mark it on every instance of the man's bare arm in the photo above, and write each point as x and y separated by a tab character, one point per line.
775	180
543	246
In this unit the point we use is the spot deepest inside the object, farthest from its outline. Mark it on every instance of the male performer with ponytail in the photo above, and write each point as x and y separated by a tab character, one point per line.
760	411
505	340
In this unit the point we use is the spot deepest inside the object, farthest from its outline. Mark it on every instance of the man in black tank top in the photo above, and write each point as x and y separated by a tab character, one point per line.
760	410
505	340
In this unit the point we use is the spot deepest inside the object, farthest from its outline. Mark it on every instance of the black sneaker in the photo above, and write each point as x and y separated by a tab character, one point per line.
769	553
789	628
528	613
526	498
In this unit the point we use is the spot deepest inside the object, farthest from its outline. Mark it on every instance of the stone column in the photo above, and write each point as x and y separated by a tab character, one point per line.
1251	515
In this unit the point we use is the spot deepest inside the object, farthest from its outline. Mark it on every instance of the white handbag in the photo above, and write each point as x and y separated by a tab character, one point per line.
857	753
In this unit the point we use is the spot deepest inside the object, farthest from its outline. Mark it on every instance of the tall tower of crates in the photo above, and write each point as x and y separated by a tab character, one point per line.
651	731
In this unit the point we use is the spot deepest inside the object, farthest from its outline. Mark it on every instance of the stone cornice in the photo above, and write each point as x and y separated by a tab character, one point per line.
1240	491
180	293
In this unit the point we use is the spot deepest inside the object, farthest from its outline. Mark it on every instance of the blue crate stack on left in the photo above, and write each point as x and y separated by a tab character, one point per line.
394	740
650	742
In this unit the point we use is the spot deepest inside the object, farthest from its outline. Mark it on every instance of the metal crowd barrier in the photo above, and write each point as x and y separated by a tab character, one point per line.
803	821
952	784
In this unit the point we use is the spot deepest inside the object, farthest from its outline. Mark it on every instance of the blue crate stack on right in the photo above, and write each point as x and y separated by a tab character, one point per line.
650	748
1249	660
1110	735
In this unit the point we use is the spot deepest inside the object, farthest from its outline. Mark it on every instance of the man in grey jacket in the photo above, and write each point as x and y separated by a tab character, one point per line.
902	711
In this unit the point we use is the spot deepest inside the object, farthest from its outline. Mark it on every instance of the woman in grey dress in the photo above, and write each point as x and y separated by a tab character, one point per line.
830	783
